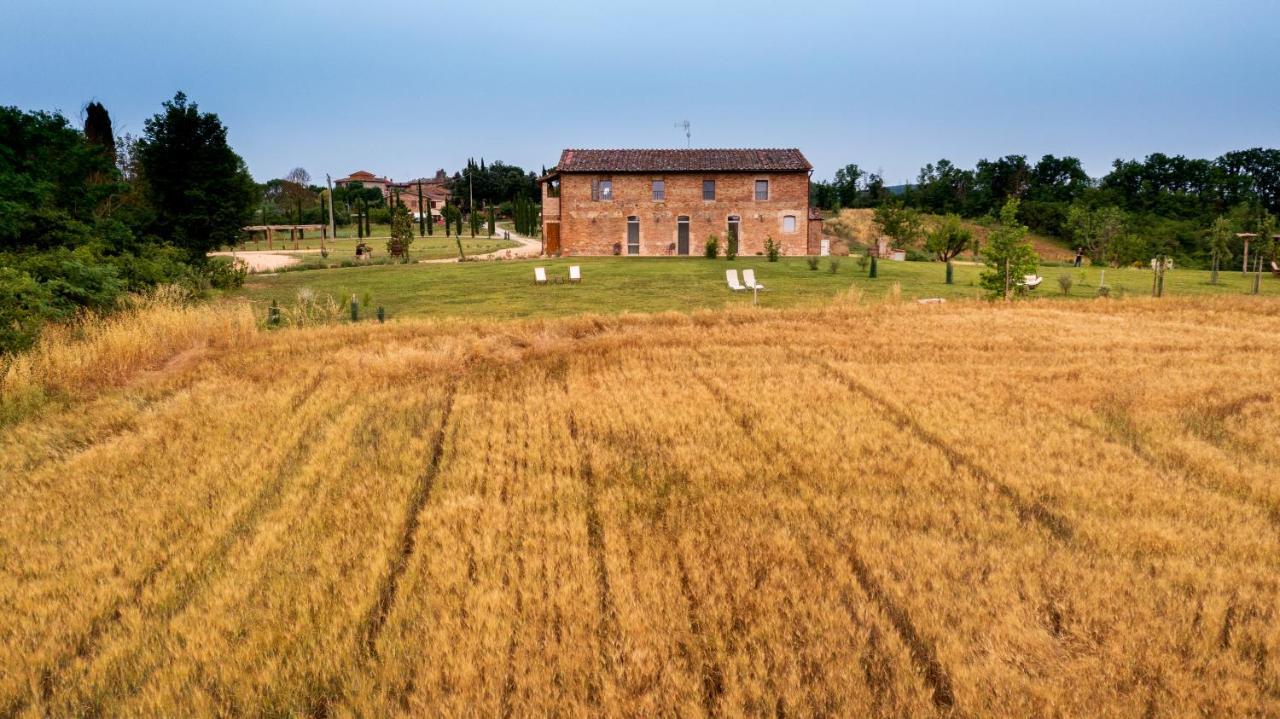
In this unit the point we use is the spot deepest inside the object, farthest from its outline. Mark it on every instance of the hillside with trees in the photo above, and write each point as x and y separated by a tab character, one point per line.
1159	205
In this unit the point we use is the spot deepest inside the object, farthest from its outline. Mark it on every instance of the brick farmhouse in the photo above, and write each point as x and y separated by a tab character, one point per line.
668	202
435	190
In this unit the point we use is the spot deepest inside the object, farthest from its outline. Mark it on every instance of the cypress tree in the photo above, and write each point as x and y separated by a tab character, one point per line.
97	129
430	220
493	221
422	214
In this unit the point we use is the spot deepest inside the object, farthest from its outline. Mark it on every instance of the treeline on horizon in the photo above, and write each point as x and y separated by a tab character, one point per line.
295	199
1160	205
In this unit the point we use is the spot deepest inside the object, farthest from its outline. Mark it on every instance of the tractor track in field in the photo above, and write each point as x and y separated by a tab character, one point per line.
376	618
607	633
1058	526
86	646
515	540
709	671
1120	429
923	654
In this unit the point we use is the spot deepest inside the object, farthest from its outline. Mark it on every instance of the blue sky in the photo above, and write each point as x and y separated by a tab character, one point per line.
401	87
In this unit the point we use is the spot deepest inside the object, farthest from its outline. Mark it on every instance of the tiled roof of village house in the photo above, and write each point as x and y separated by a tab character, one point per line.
736	160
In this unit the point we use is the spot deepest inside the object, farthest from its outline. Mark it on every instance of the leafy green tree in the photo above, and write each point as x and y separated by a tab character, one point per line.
1221	233
1094	230
1008	255
199	188
903	224
848	185
401	232
1266	244
948	239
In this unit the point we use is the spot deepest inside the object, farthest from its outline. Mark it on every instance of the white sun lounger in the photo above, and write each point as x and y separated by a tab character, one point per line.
1032	281
749	279
540	275
731	276
575	273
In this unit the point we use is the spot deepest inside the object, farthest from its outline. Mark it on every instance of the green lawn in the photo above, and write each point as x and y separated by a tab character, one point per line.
506	289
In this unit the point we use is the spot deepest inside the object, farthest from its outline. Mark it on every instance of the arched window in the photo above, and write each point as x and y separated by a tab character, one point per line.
633	235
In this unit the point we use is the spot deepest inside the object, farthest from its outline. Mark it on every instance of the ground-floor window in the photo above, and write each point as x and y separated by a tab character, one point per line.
789	224
633	235
682	235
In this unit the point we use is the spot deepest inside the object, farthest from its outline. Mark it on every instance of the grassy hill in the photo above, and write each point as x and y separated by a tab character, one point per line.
882	510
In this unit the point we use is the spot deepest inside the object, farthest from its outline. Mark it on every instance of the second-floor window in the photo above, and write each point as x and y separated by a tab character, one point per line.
708	189
602	189
659	190
762	189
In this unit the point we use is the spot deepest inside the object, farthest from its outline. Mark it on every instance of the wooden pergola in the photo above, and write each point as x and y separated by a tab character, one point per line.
296	232
1246	236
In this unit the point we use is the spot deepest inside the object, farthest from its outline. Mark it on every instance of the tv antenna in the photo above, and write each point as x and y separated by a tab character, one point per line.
685	124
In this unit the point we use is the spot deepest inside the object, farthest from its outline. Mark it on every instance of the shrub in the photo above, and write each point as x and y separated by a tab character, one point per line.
1065	282
833	265
731	247
1104	291
863	259
713	247
813	262
772	249
222	274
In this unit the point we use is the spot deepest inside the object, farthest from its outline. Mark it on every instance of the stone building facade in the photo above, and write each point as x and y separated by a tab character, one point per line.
669	202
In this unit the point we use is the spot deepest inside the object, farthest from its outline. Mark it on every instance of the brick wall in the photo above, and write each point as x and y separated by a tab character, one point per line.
589	227
815	237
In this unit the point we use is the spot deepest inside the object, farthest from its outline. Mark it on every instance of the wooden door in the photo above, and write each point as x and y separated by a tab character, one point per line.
682	236
553	238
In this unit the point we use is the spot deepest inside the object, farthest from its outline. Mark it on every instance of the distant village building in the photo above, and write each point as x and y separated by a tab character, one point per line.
668	202
435	190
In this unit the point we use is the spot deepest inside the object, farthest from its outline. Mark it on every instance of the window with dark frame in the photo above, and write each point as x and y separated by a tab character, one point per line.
708	189
762	189
659	190
602	190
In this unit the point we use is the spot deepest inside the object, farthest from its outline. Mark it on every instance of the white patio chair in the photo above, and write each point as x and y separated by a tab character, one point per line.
540	275
731	276
1032	281
749	279
575	273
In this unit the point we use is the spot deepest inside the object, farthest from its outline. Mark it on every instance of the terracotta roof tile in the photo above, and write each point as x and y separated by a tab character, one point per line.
729	160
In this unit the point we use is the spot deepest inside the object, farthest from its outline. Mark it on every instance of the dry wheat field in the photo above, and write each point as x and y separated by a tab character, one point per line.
1049	509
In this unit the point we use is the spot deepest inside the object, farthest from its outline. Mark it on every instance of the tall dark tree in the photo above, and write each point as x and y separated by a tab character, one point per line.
199	188
97	128
423	211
